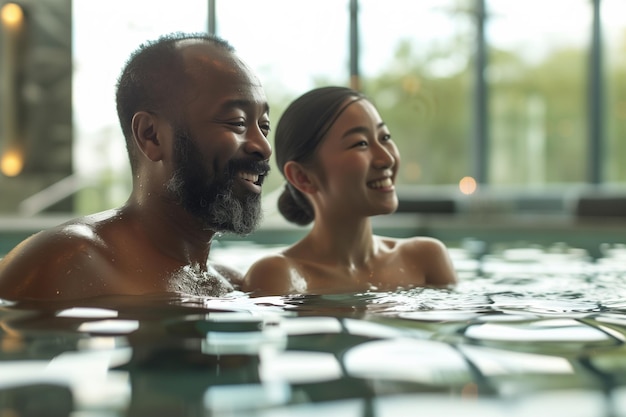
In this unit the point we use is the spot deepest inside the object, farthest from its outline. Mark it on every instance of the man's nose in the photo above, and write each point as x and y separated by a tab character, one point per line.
257	143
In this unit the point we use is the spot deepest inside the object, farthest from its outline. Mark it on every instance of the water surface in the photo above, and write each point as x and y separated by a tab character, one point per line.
526	332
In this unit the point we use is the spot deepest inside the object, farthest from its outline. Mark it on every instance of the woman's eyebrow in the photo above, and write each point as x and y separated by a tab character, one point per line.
361	129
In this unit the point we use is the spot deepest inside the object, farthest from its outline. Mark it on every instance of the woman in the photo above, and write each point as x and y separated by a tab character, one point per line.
340	164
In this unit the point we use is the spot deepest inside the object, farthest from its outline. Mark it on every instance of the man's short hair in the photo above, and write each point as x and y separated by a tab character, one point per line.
151	78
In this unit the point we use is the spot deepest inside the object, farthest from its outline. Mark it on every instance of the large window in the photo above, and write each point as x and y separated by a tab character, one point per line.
417	61
537	78
614	52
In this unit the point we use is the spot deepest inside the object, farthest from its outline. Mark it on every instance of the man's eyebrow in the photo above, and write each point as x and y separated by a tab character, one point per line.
240	103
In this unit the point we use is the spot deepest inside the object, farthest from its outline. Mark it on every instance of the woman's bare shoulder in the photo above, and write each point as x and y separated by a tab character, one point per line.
432	256
413	244
422	244
270	275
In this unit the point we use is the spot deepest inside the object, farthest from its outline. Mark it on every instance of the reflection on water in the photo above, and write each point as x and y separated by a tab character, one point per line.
527	332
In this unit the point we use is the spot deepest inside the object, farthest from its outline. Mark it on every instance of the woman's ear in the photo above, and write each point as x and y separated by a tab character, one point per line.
300	177
145	130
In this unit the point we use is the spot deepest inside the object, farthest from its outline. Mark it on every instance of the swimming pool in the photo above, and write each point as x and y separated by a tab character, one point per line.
529	331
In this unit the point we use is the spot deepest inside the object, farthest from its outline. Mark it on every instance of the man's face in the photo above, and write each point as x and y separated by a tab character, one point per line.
210	195
220	149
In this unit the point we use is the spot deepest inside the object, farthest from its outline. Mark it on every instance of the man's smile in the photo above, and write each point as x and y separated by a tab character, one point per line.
252	181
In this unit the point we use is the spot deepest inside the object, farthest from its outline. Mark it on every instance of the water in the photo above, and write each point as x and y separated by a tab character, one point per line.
527	332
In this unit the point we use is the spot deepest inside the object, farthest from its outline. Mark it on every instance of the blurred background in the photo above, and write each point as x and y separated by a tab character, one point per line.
510	116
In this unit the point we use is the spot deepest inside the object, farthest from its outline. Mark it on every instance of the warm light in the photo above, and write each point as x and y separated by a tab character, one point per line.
411	84
12	163
469	391
11	15
467	185
412	171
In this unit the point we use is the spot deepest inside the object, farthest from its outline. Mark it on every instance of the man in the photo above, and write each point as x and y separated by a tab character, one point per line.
195	119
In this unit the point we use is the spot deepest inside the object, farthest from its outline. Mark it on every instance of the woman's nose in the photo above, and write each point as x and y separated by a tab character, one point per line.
384	158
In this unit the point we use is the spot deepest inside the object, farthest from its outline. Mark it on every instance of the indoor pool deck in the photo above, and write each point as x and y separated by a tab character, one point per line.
527	332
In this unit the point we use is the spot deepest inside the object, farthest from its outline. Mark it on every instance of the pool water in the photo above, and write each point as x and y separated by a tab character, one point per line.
527	332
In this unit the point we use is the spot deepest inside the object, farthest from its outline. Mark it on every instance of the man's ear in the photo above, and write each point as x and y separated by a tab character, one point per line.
300	177
145	130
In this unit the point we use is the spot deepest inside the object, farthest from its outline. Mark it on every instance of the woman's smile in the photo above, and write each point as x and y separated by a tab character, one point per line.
384	184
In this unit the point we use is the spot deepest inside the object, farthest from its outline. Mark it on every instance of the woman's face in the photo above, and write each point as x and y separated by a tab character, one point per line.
357	163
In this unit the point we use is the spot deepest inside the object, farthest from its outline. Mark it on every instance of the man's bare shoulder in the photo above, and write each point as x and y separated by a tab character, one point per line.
42	265
232	275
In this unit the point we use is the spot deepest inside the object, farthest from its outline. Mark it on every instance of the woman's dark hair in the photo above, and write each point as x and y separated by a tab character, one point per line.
152	73
299	132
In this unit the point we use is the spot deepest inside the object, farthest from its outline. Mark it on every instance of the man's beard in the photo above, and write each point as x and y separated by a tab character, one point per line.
211	199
